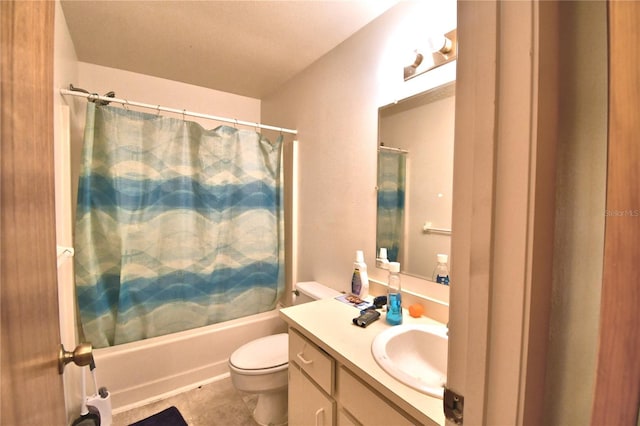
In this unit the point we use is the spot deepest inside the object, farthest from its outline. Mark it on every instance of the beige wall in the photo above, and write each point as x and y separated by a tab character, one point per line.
334	105
169	93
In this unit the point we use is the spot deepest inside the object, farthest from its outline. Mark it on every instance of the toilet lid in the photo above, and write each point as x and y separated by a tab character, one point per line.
265	352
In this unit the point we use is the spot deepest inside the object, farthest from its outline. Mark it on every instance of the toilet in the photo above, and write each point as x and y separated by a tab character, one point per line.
261	366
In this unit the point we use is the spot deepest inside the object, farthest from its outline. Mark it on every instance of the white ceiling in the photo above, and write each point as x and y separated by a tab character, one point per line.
248	48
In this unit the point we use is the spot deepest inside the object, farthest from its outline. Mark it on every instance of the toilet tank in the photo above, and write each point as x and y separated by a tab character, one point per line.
309	291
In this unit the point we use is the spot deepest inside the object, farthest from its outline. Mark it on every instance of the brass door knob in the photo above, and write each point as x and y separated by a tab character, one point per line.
82	355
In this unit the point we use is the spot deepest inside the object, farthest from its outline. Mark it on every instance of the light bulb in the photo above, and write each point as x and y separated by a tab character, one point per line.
439	43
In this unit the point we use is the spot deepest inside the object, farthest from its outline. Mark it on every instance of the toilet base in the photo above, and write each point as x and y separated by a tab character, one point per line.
271	408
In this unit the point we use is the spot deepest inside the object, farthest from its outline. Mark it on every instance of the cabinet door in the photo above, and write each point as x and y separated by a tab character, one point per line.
308	405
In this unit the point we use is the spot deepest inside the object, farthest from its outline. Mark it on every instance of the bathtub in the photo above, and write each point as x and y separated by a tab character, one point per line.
141	372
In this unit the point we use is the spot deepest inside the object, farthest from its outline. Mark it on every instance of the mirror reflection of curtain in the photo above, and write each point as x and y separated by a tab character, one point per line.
177	226
391	201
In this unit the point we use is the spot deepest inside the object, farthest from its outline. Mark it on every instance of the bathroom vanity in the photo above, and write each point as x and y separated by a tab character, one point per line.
334	379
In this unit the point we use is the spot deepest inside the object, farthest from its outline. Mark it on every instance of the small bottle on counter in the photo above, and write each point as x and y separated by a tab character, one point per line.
394	296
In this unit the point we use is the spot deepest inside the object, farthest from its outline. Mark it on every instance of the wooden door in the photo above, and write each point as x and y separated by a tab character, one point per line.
32	391
486	314
617	389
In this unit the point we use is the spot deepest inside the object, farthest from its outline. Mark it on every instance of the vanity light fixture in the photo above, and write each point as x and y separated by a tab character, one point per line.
441	50
409	71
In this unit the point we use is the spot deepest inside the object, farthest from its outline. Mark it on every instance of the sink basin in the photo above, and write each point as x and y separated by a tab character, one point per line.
414	354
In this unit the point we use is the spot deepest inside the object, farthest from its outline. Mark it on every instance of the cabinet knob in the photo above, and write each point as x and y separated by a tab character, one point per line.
82	355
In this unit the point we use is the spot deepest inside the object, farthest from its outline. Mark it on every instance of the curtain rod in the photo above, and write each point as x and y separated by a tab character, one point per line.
388	148
125	103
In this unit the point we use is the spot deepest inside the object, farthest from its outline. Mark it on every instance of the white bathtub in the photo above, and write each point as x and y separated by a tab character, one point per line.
141	372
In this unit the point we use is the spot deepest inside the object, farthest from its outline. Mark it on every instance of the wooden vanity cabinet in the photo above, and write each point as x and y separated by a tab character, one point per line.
311	383
323	392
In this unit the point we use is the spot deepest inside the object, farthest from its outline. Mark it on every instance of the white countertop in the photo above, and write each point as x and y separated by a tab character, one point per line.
328	323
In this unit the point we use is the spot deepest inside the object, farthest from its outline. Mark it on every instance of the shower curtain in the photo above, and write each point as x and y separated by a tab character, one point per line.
177	227
391	202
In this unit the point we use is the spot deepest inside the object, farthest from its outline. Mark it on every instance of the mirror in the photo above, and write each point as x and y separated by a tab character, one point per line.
415	180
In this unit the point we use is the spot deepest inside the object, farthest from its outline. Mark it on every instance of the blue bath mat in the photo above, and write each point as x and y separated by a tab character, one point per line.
169	417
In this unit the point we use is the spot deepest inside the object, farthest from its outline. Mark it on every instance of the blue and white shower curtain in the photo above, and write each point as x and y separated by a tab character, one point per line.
177	227
391	202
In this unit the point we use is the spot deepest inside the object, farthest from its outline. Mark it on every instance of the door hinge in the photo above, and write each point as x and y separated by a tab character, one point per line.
453	406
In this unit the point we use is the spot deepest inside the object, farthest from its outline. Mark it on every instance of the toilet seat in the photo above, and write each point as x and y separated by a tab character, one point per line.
262	356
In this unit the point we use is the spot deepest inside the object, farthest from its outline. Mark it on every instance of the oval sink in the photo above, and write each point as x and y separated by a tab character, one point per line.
414	354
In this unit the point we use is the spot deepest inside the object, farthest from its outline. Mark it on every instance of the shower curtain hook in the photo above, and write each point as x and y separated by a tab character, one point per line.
184	111
125	104
235	124
158	114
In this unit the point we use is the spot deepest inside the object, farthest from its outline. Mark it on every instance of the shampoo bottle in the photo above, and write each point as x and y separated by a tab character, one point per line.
360	279
394	296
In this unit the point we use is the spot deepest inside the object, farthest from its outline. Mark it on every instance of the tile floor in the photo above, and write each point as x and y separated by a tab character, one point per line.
215	404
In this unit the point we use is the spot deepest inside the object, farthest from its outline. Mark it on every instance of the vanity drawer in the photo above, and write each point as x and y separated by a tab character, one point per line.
365	405
312	360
